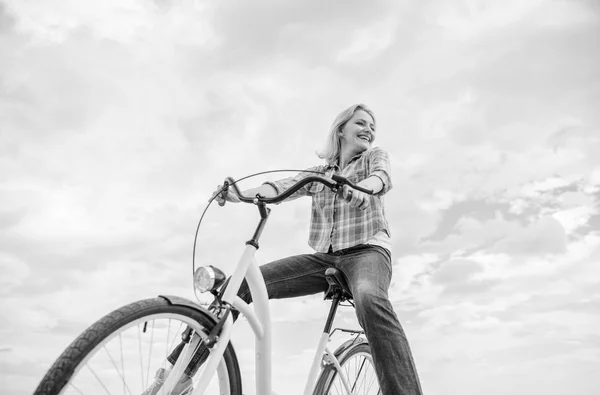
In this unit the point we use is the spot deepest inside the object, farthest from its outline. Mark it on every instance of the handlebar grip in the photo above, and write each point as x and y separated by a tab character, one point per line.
367	191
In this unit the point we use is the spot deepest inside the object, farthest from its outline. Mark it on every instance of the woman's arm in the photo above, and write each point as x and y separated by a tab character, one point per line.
265	190
379	166
378	181
372	183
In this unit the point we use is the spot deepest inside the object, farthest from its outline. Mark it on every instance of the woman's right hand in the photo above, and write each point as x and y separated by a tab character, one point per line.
221	196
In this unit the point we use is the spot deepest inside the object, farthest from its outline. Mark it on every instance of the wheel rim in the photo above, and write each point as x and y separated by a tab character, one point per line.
360	372
126	361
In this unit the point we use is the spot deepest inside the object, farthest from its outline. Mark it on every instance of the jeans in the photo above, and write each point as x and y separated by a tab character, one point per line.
368	270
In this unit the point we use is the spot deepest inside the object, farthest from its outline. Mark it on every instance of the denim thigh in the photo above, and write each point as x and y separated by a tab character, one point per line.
294	276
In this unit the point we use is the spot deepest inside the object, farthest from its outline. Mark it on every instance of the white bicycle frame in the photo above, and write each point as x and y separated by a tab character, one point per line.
259	319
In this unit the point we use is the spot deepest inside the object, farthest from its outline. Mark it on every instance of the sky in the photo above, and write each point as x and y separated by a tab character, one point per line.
119	118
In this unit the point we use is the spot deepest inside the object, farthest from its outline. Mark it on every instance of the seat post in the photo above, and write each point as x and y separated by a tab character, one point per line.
335	302
319	357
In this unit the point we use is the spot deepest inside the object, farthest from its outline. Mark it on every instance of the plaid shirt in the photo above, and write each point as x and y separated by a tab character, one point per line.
333	221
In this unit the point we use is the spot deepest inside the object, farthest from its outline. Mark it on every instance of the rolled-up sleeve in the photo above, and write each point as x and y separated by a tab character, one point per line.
379	166
284	184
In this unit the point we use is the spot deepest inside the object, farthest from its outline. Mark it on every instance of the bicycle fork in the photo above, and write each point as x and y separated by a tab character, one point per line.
211	363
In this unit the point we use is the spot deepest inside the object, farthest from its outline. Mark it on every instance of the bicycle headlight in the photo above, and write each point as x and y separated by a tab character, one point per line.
208	278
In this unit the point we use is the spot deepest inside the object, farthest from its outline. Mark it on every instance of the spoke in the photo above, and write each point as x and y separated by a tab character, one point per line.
75	388
150	352
179	330
122	361
374	379
140	353
367	376
97	378
347	372
358	374
167	343
371	382
117	368
337	390
370	378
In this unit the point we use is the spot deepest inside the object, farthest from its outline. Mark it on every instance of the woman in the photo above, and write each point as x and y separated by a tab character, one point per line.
348	231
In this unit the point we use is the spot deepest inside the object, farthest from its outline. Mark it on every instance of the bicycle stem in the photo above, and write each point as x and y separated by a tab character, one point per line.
264	215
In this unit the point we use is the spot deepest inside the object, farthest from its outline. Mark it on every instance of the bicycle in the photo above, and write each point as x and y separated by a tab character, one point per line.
97	361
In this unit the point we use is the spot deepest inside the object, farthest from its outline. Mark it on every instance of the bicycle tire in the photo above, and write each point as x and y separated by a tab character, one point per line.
356	357
115	325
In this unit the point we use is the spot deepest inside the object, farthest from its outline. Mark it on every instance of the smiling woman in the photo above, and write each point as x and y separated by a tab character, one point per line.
349	232
355	115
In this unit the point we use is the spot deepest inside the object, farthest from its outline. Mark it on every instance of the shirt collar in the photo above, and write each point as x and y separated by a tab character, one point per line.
335	163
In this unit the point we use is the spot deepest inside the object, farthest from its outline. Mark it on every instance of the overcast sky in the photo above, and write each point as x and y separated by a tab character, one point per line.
119	117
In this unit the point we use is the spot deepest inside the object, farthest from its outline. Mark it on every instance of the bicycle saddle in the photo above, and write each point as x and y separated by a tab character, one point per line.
337	283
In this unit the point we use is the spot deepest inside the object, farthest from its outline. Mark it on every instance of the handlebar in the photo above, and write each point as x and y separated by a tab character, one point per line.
334	183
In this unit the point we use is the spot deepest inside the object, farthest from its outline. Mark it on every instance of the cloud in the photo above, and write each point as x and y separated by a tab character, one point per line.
16	271
471	20
544	236
7	20
369	42
456	271
118	119
458	276
291	30
478	210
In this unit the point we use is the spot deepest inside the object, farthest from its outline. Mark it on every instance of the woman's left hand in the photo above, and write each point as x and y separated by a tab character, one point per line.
355	198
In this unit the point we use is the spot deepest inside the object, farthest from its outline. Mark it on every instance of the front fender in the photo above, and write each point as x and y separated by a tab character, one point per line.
179	301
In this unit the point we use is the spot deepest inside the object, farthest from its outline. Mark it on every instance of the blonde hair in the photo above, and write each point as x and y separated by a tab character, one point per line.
331	150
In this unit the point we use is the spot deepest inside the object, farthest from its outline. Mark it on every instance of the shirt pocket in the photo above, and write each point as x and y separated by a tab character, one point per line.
315	188
320	193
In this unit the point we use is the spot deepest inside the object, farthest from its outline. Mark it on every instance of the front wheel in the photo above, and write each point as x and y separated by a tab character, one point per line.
122	352
357	365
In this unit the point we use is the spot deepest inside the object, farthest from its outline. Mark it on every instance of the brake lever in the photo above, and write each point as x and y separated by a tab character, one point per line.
225	191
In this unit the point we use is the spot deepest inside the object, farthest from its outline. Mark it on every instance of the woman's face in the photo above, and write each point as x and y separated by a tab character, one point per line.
358	133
